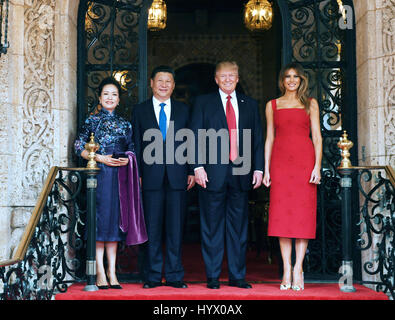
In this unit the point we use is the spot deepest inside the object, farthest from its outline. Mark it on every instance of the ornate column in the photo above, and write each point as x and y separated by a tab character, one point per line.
37	106
375	23
11	117
388	32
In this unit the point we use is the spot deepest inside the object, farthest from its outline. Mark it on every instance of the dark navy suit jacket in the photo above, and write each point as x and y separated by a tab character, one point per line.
143	118
208	113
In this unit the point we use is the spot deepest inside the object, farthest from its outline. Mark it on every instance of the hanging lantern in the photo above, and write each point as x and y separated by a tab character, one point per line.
258	15
157	15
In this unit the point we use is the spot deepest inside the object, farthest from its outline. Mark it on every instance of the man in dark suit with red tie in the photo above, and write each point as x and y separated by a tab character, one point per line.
164	180
225	182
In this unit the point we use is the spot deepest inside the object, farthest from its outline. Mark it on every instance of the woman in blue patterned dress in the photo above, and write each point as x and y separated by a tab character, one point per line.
114	135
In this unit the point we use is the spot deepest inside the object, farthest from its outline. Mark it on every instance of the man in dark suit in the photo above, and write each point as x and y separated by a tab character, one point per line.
224	182
164	180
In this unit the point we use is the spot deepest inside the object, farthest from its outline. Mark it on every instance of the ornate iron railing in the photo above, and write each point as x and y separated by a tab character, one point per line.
48	257
377	221
46	260
376	216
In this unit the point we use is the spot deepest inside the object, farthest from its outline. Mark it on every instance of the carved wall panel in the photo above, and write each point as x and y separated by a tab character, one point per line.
38	107
38	124
389	80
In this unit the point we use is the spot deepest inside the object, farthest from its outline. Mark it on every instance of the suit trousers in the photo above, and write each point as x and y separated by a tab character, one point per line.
224	221
164	211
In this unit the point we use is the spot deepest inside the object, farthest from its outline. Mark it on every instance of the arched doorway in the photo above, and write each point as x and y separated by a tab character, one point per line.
116	41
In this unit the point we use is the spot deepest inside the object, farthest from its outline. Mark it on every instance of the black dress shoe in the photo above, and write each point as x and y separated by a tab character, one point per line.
240	284
151	284
103	287
115	286
176	284
212	283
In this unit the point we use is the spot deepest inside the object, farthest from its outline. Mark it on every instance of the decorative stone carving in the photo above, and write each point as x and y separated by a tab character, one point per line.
38	125
389	80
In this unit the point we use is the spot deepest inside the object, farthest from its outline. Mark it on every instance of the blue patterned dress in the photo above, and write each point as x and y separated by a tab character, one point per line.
114	134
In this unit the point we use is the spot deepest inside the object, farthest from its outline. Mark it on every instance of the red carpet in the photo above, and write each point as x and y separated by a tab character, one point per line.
263	277
198	291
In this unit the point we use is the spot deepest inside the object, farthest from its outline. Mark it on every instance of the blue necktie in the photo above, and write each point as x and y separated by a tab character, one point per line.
163	120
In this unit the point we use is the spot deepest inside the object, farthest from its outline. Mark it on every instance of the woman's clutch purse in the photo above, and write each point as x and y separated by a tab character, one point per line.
119	149
117	155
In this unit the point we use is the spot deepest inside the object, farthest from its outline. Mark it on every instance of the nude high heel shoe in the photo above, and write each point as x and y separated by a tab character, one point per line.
297	287
286	286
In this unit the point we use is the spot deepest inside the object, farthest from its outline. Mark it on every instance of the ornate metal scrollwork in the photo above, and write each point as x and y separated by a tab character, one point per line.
378	229
315	32
111	29
318	45
50	263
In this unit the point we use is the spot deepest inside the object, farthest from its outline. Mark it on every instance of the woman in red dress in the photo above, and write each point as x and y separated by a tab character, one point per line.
292	169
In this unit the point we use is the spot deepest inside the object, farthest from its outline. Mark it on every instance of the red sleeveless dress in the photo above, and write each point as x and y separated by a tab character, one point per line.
293	200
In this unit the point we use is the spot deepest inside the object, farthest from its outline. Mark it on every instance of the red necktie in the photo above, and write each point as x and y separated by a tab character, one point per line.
231	120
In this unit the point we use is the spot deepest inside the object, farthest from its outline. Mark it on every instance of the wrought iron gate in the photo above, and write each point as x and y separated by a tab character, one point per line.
112	41
312	37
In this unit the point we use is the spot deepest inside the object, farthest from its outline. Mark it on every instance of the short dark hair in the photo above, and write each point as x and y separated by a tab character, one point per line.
106	81
166	69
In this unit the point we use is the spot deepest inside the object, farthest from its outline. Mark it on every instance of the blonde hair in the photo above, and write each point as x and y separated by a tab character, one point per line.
303	87
227	64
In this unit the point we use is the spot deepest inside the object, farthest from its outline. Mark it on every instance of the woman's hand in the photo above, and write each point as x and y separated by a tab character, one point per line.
266	179
108	160
124	161
315	176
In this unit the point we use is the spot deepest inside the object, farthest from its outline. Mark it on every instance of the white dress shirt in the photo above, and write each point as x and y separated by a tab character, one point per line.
224	99
167	109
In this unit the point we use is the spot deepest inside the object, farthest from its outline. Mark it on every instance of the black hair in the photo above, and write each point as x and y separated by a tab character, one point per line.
103	83
163	69
106	81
